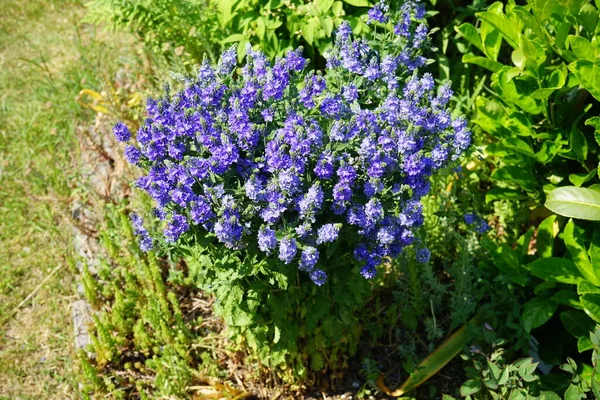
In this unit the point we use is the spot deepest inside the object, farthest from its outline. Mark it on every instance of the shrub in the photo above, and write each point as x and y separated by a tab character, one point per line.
167	27
280	26
264	168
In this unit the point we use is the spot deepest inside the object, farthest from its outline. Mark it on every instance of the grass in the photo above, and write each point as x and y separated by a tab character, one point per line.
46	58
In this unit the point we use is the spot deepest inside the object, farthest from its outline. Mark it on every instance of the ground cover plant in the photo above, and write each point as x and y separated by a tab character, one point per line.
305	222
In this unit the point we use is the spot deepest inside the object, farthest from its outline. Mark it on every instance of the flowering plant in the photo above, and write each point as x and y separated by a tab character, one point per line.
301	167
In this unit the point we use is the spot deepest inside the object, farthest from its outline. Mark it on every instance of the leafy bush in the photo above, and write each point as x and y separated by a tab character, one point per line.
277	165
540	94
282	25
168	27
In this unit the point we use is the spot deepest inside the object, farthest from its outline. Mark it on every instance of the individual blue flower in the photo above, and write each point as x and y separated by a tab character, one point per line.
267	240
470	218
122	132
308	258
146	243
228	61
132	154
423	255
328	233
287	249
377	13
175	228
318	276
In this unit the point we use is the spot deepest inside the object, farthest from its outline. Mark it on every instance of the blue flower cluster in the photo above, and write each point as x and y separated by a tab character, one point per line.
290	161
480	225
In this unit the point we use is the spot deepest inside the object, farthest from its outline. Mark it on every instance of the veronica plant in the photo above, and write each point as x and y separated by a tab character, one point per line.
275	175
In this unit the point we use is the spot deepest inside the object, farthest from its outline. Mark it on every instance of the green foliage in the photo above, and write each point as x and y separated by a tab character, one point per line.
585	379
542	58
195	28
277	26
173	28
140	337
289	325
492	377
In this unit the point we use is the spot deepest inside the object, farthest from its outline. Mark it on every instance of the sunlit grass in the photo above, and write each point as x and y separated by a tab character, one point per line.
46	58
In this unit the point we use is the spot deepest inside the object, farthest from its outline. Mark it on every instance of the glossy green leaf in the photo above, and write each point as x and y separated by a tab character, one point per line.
555	269
469	32
575	245
490	36
582	48
530	22
579	144
568	298
595	248
510	28
577	323
483	62
543	9
582	177
546	233
573	202
588	18
591	305
588	74
537	312
543	94
495	194
470	387
586	287
584	344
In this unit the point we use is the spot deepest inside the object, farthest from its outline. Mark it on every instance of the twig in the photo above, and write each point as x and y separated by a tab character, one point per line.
34	292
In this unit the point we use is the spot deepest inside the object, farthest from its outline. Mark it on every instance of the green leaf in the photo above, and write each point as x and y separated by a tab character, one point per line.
579	144
236	37
491	37
585	287
469	32
530	22
546	233
575	245
483	62
591	305
324	6
573	202
470	387
518	146
509	27
543	94
584	344
435	361
595	122
568	298
588	74
577	323
555	269
595	247
582	177
358	3
543	9
504	194
588	17
582	48
537	312
225	11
